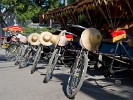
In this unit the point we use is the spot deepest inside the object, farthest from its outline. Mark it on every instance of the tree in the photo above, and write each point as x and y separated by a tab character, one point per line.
71	1
48	4
2	10
23	9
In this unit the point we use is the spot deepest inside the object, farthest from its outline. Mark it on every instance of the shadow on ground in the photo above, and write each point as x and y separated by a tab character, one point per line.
2	57
98	91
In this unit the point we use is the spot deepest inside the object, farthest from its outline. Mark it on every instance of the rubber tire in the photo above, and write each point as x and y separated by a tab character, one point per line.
85	66
21	65
9	54
48	75
18	55
37	57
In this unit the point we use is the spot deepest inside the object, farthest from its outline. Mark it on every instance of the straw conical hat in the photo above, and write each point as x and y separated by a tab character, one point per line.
45	38
34	39
90	39
55	38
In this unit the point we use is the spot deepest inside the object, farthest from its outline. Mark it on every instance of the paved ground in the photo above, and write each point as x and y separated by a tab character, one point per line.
19	84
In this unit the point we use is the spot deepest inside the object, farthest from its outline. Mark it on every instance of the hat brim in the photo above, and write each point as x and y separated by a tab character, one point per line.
85	42
86	45
46	43
55	38
30	39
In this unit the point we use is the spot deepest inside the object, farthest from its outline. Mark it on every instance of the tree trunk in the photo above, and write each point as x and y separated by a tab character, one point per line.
50	23
3	24
65	2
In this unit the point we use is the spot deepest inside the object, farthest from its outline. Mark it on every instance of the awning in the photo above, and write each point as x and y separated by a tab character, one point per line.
15	28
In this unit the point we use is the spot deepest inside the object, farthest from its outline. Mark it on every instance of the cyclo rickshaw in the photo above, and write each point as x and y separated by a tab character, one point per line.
12	41
91	48
113	57
115	17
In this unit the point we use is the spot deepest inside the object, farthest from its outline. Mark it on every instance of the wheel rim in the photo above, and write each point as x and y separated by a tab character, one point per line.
25	58
52	66
18	56
37	56
24	62
75	78
77	75
11	53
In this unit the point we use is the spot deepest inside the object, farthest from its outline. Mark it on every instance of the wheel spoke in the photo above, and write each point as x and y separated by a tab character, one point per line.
51	66
77	75
37	57
24	59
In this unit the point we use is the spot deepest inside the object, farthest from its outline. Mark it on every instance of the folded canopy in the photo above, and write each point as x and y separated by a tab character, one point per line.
13	28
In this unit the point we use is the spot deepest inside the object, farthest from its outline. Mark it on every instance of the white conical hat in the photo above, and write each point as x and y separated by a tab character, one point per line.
90	39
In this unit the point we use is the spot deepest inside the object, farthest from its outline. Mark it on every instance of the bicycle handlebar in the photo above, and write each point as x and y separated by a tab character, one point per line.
79	26
66	32
71	33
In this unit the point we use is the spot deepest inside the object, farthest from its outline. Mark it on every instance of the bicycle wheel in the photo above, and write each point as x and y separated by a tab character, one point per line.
18	54
7	53
11	52
24	59
51	65
37	58
77	74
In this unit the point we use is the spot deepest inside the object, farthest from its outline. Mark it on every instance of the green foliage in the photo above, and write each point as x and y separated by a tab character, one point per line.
29	30
53	4
48	4
30	12
24	9
71	1
82	20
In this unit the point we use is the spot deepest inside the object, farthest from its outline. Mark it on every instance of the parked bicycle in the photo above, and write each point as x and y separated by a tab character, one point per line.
22	45
90	41
12	47
43	53
64	49
30	51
